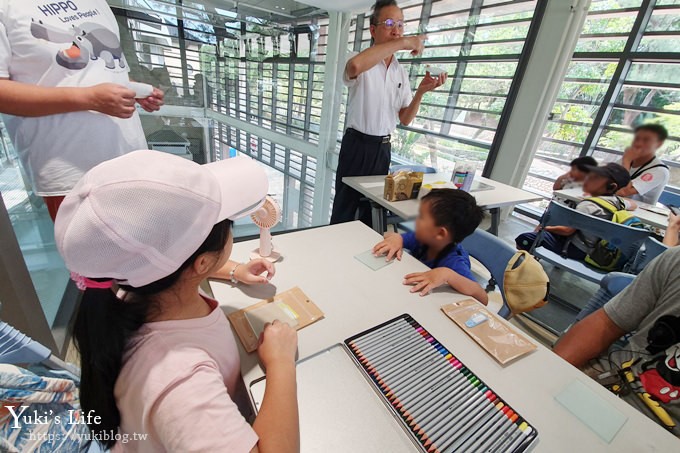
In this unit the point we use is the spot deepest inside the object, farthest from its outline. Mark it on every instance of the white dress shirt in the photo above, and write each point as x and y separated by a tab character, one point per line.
376	96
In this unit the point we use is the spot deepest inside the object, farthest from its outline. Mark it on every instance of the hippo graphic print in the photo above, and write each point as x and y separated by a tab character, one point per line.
89	41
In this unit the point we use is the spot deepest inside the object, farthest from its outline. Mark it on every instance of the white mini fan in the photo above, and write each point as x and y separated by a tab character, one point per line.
266	218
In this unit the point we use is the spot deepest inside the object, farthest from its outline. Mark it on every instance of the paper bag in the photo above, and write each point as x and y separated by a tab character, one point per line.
292	307
502	341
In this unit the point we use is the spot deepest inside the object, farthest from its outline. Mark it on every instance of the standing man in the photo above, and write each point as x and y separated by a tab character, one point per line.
648	175
65	91
380	97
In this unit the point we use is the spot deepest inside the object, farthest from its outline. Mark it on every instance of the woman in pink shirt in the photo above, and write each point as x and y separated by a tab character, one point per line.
160	366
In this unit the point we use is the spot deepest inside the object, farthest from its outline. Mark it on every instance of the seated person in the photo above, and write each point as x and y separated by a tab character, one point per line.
601	182
654	293
648	175
580	167
446	217
672	237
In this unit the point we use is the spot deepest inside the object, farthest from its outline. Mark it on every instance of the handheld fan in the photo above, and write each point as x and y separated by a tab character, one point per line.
266	218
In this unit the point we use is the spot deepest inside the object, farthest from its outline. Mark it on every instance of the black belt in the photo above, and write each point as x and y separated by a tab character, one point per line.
370	138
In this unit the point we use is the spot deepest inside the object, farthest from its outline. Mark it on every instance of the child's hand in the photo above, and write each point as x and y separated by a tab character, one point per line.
251	272
392	246
425	282
278	344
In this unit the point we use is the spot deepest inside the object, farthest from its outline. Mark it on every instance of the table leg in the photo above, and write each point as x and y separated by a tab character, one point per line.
378	217
495	221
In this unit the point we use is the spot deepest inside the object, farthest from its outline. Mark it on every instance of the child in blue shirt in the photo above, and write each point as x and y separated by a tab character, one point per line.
445	218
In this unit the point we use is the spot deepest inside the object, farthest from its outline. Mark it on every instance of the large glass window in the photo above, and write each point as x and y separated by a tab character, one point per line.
624	73
33	229
260	65
479	44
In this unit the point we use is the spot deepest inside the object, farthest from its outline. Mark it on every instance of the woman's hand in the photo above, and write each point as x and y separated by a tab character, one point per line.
425	282
111	99
251	272
154	102
278	344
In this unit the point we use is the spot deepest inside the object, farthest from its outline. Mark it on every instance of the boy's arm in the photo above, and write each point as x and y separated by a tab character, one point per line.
559	182
627	191
466	286
560	230
425	282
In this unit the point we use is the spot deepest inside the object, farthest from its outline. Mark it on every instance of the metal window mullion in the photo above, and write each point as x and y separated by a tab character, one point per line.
461	66
515	85
182	45
359	32
291	91
619	76
425	13
308	101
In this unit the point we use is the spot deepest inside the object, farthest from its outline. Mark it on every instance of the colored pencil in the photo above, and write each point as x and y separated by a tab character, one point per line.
443	404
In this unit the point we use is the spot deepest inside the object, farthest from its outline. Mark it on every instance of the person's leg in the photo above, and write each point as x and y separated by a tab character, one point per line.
550	241
350	163
53	204
525	240
379	162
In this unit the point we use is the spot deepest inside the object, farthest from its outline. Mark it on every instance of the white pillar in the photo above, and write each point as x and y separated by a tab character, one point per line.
338	34
554	46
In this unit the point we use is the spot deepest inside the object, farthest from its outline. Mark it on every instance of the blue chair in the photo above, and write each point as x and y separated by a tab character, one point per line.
17	348
422	168
494	254
625	238
649	250
612	284
669	198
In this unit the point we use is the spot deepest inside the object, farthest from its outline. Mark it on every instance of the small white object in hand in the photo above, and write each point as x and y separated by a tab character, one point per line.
142	90
434	71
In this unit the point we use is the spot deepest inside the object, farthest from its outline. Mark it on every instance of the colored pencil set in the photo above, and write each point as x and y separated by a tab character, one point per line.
442	404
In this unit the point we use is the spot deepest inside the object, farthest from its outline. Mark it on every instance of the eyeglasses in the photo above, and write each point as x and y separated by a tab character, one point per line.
391	23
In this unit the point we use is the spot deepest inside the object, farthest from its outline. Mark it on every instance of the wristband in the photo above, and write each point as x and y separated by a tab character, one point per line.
232	277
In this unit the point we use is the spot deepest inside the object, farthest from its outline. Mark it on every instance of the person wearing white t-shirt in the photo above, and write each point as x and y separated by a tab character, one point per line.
380	97
648	175
65	91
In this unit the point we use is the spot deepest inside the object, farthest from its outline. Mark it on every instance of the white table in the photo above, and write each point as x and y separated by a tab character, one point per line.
354	298
498	196
647	217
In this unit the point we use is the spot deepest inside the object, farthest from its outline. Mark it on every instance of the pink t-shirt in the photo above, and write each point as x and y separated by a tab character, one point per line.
177	386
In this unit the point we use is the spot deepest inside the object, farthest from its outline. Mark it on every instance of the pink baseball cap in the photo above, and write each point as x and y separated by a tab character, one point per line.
139	217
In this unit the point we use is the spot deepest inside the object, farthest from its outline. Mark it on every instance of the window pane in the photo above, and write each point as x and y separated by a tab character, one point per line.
649	93
462	116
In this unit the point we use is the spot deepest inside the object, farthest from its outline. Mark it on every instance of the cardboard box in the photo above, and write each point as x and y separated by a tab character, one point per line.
403	185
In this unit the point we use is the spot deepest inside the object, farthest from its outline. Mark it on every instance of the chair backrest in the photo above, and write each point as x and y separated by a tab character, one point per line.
625	238
15	348
669	198
494	254
650	249
421	168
